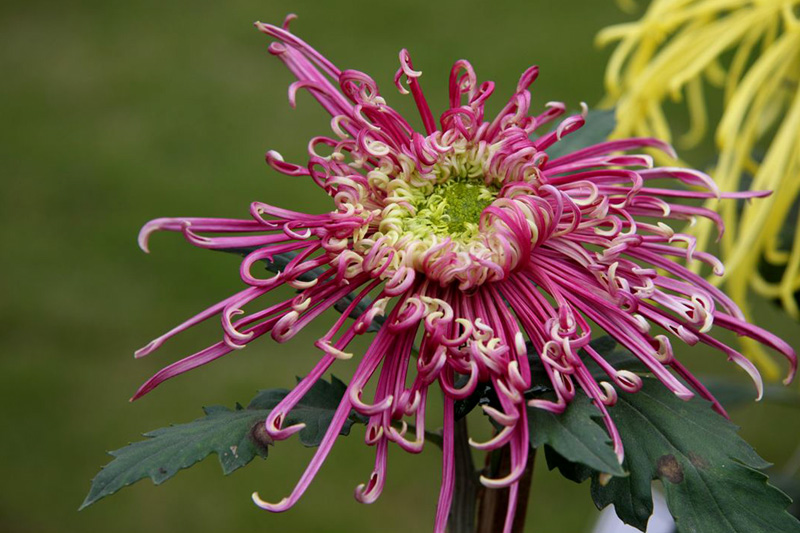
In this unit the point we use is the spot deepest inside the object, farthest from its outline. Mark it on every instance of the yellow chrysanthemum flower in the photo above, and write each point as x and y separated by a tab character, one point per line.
750	50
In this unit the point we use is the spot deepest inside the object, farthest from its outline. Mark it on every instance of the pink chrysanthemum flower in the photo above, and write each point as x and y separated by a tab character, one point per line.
471	238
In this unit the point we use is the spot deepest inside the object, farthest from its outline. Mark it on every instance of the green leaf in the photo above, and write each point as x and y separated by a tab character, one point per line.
712	478
575	436
236	436
573	471
229	434
599	125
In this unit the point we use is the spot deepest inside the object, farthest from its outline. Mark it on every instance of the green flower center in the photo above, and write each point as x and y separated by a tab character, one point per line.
430	218
453	208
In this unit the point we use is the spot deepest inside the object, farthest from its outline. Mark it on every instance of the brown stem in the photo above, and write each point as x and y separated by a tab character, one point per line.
467	484
493	503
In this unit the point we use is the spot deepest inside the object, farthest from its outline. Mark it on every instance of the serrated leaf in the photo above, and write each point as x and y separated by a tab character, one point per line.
167	450
236	436
279	262
712	478
575	436
599	125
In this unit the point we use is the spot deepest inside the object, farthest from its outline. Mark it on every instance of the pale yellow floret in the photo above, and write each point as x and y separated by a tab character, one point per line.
750	49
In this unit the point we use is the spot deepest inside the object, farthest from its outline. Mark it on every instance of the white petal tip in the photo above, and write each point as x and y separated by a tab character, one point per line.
274	507
145	350
685	395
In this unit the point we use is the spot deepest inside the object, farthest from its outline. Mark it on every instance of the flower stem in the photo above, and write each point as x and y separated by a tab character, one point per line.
493	503
470	496
467	485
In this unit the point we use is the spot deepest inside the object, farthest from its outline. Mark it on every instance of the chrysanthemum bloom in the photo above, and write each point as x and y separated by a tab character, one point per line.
468	237
751	50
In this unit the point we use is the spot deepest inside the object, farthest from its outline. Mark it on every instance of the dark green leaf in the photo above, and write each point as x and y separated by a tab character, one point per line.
229	434
573	471
575	436
790	484
599	125
604	345
712	478
540	381
236	436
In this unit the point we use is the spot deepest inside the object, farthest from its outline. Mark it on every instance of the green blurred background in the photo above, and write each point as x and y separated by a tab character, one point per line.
116	113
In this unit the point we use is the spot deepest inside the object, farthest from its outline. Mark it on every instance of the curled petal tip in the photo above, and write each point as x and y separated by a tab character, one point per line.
405	65
501	438
490	483
285	433
146	350
144	236
792	371
172	224
360	493
500	417
684	395
368	492
289	18
505	481
329	349
759	383
260	26
274	507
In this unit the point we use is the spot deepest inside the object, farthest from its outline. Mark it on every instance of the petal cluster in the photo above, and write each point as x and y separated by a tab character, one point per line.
464	242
